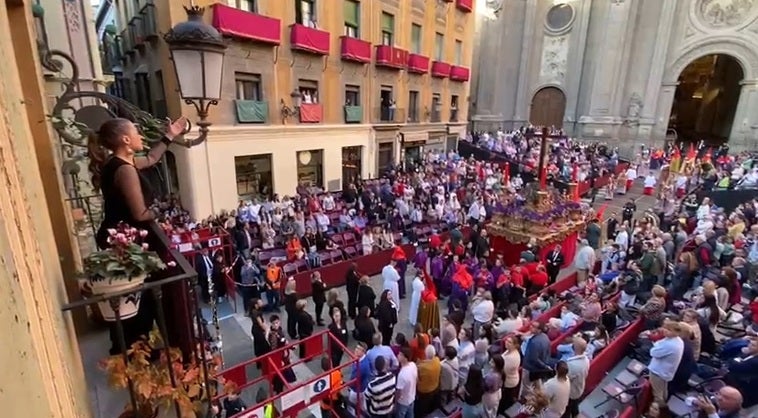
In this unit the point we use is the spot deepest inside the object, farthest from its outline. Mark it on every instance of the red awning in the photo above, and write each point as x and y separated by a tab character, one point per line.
241	24
465	5
440	69
308	39
459	73
356	50
418	64
389	56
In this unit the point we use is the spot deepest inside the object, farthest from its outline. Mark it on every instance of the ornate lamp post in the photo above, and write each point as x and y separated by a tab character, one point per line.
287	112
197	51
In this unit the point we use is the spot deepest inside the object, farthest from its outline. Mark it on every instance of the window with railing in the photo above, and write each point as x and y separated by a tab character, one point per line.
308	91
352	19
436	113
458	52
352	95
144	97
454	108
305	13
439	46
388	29
416	38
248	86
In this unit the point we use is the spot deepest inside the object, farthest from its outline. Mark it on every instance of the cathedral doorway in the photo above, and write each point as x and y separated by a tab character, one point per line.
548	107
706	99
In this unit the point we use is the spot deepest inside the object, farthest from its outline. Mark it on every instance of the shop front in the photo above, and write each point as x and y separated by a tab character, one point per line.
412	148
454	133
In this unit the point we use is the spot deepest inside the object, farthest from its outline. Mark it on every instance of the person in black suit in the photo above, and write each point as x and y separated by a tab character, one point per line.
613	225
366	296
305	325
204	267
352	284
243	240
553	263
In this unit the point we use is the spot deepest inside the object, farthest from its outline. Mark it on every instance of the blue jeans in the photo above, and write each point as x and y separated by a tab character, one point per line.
404	411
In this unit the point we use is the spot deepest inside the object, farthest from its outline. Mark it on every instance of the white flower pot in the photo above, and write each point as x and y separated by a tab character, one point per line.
128	304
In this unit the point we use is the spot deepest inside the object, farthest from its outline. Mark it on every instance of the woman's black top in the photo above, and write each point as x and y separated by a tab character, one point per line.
115	207
318	291
339	305
290	299
366	297
339	333
304	324
352	282
386	314
364	330
473	398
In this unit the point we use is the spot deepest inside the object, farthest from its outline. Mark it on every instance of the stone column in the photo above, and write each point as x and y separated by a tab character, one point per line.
523	100
663	36
42	375
610	67
744	134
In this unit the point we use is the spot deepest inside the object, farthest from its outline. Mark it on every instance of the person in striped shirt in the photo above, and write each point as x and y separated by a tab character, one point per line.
380	392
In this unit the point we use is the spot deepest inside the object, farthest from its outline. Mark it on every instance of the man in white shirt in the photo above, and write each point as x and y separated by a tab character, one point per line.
558	390
584	262
482	309
407	378
578	369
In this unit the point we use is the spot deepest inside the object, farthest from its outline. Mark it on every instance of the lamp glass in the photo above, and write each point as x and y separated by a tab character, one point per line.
199	72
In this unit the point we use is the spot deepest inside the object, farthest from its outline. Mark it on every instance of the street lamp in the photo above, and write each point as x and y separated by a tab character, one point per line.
197	51
296	98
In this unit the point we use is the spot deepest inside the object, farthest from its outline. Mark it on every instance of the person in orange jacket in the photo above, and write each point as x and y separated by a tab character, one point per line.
273	285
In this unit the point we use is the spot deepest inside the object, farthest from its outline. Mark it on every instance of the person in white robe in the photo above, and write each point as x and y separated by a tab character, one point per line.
418	287
391	278
650	182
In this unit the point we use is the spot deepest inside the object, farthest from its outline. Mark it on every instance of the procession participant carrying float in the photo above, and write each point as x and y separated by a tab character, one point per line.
544	216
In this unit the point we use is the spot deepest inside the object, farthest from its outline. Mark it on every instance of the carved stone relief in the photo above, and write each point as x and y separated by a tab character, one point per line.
418	7
440	11
554	58
724	13
494	7
73	16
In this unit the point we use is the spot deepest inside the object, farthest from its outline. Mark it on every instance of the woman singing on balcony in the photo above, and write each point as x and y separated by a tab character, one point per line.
126	193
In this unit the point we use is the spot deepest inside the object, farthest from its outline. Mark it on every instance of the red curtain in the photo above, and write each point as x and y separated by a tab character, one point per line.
511	252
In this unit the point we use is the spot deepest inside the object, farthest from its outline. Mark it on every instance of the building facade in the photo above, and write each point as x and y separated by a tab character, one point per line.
315	92
630	71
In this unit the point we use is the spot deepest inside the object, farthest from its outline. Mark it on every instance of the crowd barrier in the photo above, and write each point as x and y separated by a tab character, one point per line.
602	363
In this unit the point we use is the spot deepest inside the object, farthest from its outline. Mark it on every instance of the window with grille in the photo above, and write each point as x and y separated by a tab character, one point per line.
352	18
388	29
416	38
248	86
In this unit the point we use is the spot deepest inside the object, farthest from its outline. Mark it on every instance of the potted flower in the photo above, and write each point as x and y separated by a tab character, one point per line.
122	266
147	369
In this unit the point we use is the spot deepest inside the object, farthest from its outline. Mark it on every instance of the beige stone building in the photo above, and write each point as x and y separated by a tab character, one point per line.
637	71
317	92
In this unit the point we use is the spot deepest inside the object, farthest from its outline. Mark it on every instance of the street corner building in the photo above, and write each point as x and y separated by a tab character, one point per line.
314	92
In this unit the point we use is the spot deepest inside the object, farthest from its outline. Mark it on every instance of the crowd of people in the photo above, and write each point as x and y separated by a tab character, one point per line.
682	267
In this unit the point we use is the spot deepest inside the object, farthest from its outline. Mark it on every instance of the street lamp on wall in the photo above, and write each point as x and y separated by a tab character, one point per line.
287	112
197	51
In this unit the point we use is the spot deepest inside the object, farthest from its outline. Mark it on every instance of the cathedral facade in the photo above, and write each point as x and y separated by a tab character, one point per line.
629	72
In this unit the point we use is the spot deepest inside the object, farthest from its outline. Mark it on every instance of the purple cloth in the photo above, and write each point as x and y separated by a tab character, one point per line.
419	260
437	268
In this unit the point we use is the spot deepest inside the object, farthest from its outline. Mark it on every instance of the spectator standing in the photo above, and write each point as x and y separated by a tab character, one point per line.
472	392
318	293
578	369
449	374
536	355
511	366
429	378
557	390
380	391
665	356
584	263
407	380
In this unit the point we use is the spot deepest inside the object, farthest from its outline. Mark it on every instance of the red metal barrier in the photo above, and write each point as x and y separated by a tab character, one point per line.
300	394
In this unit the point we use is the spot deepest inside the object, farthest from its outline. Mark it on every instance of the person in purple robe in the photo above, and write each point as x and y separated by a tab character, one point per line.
420	259
497	269
437	271
446	284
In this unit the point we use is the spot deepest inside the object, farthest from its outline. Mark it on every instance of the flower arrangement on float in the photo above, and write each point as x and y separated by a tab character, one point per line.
123	266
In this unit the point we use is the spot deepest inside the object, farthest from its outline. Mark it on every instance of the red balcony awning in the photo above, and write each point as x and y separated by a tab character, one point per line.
440	69
308	39
465	5
311	113
391	57
418	64
241	24
356	50
458	73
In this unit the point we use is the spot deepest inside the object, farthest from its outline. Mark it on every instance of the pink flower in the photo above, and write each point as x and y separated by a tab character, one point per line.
143	233
145	246
120	237
112	231
171	264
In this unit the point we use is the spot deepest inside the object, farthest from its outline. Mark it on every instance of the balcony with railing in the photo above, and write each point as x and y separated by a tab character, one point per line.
466	6
353	114
440	69
356	50
453	115
459	73
149	22
388	115
135	32
241	24
413	115
311	40
418	64
251	111
391	57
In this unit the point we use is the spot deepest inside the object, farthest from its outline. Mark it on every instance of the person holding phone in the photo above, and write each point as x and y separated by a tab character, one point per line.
726	404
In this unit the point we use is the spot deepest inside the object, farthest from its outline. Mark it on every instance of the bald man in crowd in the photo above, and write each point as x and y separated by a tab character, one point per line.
728	404
579	367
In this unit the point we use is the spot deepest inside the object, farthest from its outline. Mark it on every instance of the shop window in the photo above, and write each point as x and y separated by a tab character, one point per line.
310	168
254	176
351	165
385	157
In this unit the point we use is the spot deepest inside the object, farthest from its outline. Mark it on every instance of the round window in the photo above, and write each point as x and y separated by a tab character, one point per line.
559	17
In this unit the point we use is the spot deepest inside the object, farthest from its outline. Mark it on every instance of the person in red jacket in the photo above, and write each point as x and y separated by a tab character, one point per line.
538	279
518	290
